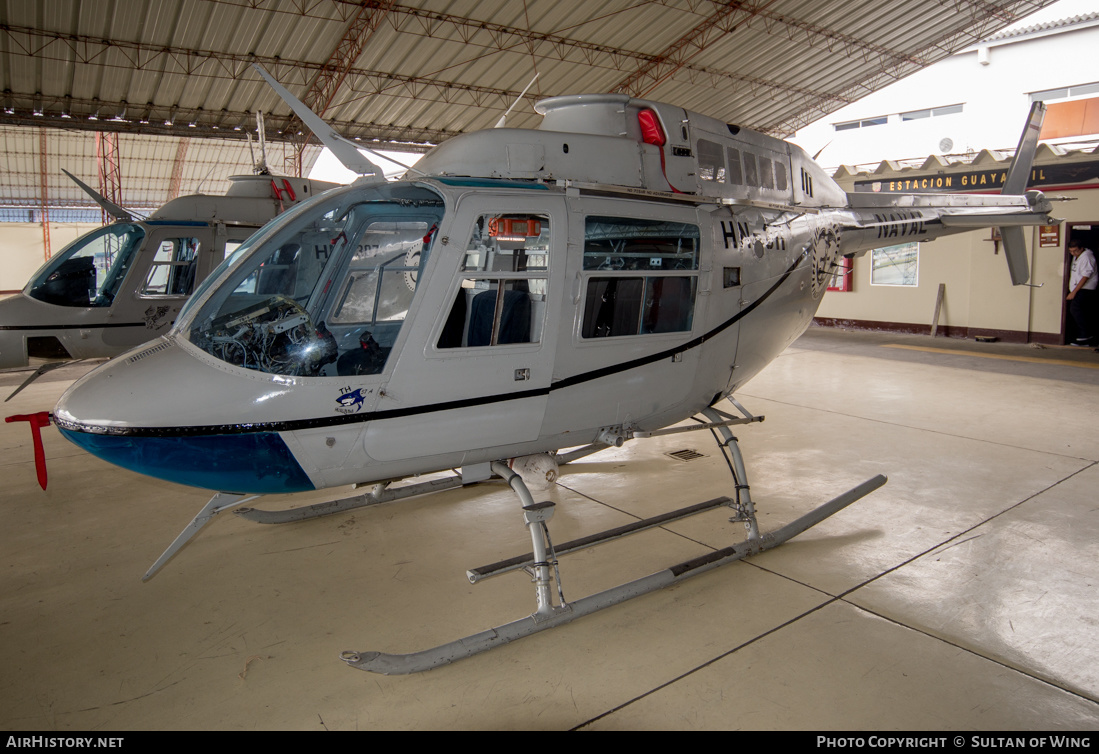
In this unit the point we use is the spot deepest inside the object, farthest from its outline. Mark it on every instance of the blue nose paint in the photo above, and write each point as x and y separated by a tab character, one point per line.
252	463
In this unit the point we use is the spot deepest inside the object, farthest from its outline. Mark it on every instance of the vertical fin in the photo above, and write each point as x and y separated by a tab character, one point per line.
1015	254
1019	173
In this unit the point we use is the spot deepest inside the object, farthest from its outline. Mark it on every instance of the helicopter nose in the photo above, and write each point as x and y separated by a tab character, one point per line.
12	353
156	402
13	350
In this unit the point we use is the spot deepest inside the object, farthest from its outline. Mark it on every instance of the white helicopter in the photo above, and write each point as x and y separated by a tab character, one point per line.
123	284
623	268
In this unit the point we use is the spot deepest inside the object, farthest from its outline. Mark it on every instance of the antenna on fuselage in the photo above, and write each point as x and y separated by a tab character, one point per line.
346	151
259	167
112	209
504	117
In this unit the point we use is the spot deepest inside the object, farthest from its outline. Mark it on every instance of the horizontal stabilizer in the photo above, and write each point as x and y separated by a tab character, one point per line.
1016	219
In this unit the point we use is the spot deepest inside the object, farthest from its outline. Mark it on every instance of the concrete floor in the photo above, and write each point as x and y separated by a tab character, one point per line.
961	596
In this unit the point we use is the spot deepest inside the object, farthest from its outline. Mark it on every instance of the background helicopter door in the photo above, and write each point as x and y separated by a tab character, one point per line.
488	345
160	279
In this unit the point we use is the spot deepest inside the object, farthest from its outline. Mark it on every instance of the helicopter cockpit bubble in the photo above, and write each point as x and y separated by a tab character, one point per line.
325	291
88	271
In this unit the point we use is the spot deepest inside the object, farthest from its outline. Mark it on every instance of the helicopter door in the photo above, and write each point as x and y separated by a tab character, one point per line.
173	256
639	289
489	344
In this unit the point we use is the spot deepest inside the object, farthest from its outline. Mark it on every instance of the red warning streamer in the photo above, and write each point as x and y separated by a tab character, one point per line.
37	422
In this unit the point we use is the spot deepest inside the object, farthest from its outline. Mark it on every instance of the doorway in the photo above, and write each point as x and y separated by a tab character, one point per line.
1088	234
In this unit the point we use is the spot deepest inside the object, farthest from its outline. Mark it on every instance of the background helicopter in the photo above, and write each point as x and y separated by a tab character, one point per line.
621	269
121	285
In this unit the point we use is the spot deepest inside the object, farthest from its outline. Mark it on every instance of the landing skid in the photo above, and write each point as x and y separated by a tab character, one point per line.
222	501
381	493
542	562
544	558
401	664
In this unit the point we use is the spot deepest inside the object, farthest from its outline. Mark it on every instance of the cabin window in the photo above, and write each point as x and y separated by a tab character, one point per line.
621	302
766	177
173	269
615	243
504	301
508	243
780	176
751	171
638	306
711	161
736	177
90	270
324	290
381	276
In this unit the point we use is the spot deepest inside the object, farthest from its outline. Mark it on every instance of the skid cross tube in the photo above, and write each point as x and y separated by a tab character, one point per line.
522	561
398	664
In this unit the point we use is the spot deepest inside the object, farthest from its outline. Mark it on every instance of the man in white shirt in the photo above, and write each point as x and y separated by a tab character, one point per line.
1082	291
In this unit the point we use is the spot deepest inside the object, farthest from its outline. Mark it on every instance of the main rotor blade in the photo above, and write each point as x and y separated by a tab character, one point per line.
345	151
108	206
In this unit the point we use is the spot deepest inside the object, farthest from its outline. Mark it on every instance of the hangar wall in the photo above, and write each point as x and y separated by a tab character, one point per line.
975	99
21	249
979	299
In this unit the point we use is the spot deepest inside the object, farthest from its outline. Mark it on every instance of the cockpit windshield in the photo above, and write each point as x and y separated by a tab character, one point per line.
90	270
326	293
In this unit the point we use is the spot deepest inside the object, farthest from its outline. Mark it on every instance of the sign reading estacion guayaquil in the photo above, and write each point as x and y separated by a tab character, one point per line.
984	180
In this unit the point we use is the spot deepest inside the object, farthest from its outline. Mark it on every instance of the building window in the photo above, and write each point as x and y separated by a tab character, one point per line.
896	265
865	123
1069	91
841	276
931	112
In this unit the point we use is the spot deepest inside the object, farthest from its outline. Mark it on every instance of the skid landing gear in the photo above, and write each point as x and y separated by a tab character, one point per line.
223	501
544	558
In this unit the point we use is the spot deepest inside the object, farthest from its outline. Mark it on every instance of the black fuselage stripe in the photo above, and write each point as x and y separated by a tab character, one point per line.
91	326
397	413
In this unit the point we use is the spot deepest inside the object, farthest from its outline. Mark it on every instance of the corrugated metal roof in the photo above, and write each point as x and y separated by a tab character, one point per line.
1052	25
147	165
420	71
